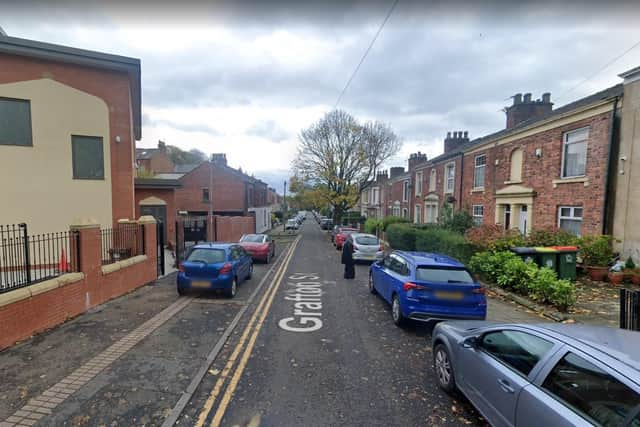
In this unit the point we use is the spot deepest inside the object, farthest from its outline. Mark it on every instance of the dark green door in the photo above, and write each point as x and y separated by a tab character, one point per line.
159	212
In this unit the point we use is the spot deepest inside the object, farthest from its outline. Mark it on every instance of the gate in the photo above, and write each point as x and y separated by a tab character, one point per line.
160	240
630	309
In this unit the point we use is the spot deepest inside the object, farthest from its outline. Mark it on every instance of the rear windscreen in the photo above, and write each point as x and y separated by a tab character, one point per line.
209	256
252	238
446	275
367	240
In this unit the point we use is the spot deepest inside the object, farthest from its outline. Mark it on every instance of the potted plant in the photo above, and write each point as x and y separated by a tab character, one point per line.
616	277
629	266
596	254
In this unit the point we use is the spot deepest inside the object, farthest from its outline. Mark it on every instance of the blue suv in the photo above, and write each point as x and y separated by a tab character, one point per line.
425	286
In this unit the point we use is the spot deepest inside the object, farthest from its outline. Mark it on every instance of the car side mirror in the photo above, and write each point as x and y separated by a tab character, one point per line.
471	342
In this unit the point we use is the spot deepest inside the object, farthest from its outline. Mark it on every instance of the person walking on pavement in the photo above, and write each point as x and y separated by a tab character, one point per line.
347	259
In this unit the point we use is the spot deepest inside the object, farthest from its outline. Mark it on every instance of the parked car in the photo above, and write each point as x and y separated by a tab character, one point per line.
542	375
366	247
342	235
326	224
260	246
214	266
291	224
425	286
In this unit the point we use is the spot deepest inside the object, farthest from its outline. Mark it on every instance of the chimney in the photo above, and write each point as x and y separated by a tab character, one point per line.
452	142
415	159
396	171
524	109
382	176
220	158
162	146
2	32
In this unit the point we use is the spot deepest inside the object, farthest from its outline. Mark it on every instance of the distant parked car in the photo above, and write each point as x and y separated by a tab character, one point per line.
342	235
291	224
542	375
214	266
424	286
366	247
326	224
260	246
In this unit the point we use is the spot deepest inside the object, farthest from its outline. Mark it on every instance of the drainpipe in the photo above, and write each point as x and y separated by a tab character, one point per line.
461	181
613	143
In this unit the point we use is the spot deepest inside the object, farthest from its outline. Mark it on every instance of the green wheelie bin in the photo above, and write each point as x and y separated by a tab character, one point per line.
527	254
547	257
566	265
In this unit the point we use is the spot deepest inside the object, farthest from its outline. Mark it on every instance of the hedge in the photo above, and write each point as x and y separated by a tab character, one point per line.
439	240
402	237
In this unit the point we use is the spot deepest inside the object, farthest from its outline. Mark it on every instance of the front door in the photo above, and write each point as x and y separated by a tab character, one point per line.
522	224
159	212
507	217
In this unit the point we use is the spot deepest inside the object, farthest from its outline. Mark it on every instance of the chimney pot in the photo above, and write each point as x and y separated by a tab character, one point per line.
466	134
527	98
546	97
448	135
517	98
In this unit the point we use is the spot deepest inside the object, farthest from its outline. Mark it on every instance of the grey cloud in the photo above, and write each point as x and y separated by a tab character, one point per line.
268	129
185	127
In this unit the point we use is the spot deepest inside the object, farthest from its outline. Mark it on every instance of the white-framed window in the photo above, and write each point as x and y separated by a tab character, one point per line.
570	219
478	173
405	213
449	175
417	218
432	180
396	211
376	195
574	153
515	166
431	212
418	183
405	191
478	214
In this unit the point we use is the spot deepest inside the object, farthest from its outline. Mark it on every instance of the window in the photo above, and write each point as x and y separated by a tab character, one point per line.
205	194
591	392
405	191
570	219
432	180
478	175
518	350
398	265
396	211
418	215
443	275
478	214
376	196
87	157
431	212
405	213
449	174
515	174
418	183
15	122
574	153
208	256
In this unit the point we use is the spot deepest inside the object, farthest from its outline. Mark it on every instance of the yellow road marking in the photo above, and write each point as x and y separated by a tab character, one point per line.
231	361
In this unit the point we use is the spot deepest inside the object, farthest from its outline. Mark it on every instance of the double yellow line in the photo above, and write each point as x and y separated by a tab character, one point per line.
249	336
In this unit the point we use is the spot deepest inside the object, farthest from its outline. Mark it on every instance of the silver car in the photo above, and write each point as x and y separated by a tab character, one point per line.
366	247
542	375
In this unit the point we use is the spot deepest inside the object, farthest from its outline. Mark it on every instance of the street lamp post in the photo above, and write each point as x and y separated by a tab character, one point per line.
284	209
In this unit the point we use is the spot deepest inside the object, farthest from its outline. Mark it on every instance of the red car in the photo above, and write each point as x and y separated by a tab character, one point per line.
259	246
342	235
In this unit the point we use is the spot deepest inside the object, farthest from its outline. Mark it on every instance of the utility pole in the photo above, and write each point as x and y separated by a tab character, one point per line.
284	208
211	230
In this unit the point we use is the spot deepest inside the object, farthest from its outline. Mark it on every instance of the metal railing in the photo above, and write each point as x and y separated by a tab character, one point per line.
122	242
25	260
630	309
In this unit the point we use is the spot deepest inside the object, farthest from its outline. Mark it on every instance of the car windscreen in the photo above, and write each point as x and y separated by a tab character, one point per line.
443	274
367	240
209	256
253	238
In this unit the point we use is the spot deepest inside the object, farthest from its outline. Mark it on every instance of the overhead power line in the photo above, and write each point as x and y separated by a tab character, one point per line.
599	70
393	6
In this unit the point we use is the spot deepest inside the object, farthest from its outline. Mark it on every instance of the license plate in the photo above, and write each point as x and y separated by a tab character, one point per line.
449	295
200	284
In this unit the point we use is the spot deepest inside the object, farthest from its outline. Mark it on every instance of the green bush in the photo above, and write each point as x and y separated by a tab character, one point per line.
388	220
596	250
509	271
439	240
402	237
457	221
551	237
372	226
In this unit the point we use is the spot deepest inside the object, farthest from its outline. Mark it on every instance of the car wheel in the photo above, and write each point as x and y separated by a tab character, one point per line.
182	291
372	288
444	368
250	274
396	311
231	292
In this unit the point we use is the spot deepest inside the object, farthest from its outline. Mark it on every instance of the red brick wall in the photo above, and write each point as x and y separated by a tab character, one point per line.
29	316
231	228
539	173
169	197
112	87
228	190
160	162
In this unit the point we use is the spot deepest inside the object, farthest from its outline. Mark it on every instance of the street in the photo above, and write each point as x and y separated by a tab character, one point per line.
298	345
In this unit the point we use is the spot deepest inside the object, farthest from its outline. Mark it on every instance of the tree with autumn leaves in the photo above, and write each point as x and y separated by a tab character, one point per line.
338	157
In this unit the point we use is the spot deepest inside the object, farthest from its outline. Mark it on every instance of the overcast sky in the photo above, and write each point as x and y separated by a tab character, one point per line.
244	78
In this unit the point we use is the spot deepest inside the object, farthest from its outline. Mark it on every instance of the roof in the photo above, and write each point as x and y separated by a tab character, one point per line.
214	245
158	183
185	168
426	258
87	58
146	153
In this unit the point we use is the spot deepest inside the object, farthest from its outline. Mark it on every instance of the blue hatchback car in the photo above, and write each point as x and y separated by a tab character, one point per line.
215	266
425	286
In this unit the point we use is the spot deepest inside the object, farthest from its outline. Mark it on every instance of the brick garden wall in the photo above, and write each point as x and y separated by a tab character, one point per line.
231	228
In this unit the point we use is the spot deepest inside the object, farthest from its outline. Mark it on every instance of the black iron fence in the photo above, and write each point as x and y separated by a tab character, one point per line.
630	309
122	242
26	259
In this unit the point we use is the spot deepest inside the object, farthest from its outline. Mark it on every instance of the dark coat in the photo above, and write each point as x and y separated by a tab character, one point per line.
347	252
